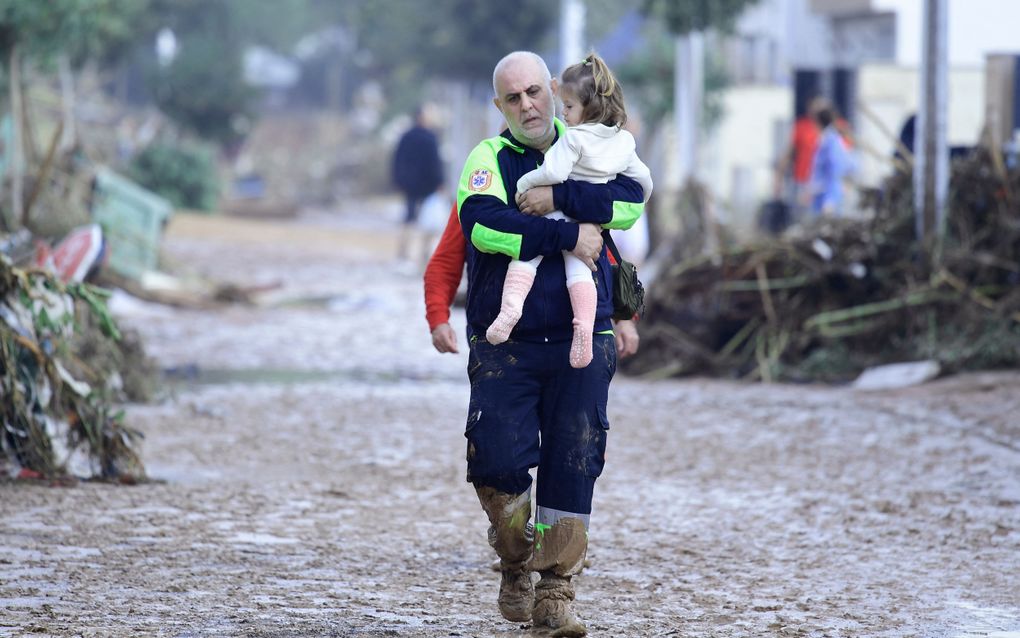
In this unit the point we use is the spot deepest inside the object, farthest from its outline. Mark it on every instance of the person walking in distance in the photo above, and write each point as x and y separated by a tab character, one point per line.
831	164
529	408
594	148
417	172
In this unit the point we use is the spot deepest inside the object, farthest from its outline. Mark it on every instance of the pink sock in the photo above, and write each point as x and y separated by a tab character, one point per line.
583	298
516	287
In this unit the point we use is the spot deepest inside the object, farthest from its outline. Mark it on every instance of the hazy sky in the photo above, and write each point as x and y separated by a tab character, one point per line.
976	27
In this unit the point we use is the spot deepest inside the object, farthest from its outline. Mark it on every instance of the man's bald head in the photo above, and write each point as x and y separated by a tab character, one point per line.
517	58
525	93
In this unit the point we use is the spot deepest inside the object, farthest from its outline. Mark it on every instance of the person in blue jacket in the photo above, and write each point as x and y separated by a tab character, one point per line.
528	407
417	172
832	163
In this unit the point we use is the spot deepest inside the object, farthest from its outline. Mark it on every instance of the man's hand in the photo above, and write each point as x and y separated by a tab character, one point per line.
589	244
627	338
538	201
444	338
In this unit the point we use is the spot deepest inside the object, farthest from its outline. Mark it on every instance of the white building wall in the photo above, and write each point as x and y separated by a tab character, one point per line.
740	156
802	38
891	94
976	28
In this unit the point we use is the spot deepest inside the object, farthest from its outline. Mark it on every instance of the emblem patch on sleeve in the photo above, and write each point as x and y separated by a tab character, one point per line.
480	180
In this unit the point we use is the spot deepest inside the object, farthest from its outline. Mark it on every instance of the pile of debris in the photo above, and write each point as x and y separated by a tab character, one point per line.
835	296
58	392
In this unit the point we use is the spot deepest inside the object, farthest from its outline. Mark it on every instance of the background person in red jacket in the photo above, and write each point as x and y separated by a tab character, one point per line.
797	160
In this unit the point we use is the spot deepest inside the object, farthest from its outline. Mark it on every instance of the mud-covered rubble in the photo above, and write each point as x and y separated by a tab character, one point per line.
832	297
338	506
60	381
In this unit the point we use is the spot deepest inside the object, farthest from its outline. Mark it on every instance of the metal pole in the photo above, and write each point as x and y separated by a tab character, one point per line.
572	46
697	71
941	117
688	85
931	169
681	106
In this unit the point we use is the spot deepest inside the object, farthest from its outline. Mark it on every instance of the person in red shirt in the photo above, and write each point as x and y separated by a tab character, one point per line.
799	156
442	278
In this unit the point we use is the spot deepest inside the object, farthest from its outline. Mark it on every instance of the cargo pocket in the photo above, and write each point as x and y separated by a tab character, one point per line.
596	453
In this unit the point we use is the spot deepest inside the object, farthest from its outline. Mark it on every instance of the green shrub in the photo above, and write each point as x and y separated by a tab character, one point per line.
184	173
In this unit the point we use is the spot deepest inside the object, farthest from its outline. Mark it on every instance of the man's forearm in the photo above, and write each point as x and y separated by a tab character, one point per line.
493	227
617	204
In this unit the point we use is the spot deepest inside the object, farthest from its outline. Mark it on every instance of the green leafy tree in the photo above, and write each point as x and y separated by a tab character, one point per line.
648	76
405	42
184	173
202	88
80	28
42	32
680	18
684	16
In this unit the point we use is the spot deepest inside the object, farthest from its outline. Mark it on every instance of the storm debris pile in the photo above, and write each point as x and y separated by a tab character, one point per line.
835	296
57	410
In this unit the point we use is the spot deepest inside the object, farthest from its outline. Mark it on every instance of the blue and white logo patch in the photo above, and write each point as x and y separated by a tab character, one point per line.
480	180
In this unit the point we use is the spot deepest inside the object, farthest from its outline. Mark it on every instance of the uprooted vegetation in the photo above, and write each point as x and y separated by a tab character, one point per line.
834	296
60	356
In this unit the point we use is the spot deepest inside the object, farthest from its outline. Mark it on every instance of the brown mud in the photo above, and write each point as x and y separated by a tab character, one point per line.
328	499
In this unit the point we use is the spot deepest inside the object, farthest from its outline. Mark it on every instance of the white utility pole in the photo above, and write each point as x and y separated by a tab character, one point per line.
688	86
931	168
572	46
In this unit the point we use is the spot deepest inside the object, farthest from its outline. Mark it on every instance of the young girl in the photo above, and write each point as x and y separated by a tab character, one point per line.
594	149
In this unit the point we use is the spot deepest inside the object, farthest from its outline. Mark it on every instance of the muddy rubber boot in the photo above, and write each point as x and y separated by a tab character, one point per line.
553	597
497	565
560	548
511	535
560	551
516	591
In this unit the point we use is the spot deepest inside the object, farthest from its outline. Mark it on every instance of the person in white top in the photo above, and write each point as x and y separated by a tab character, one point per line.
594	148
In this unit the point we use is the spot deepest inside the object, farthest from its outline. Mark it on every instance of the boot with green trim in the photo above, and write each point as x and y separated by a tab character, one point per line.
560	549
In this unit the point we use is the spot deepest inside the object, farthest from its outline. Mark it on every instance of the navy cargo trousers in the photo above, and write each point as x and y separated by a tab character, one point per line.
529	409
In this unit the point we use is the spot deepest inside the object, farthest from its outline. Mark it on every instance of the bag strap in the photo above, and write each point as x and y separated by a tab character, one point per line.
611	245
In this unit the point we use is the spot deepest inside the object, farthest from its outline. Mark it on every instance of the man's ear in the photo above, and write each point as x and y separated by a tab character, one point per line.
499	105
555	86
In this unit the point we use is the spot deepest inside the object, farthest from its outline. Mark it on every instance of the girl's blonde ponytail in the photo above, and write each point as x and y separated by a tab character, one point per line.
594	84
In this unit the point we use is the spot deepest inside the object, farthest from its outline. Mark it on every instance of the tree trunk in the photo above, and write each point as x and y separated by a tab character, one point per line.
67	99
17	167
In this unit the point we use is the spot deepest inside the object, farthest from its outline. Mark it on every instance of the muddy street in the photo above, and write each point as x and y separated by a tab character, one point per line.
308	466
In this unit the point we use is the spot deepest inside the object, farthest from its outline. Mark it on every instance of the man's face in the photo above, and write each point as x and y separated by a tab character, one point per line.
526	101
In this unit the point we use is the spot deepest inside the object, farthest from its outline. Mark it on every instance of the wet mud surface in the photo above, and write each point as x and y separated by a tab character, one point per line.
309	481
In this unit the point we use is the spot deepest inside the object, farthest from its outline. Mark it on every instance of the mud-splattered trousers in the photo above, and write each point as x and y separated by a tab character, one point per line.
530	409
